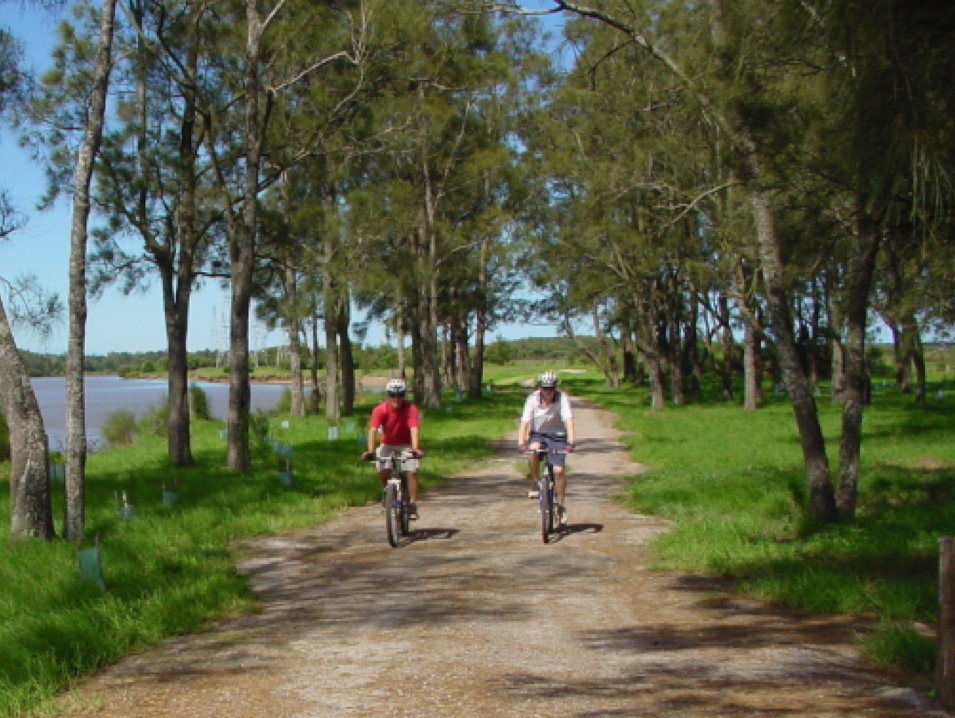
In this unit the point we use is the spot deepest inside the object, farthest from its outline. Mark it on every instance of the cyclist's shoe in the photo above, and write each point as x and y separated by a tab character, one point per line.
562	515
413	511
535	494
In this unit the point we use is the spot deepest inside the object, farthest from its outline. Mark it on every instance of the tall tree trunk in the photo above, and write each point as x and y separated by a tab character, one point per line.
242	252
400	336
177	329
177	298
31	511
332	371
75	504
462	358
476	373
294	331
751	377
860	281
903	375
428	366
648	344
818	475
725	368
918	361
837	364
346	354
734	121
674	357
837	350
315	398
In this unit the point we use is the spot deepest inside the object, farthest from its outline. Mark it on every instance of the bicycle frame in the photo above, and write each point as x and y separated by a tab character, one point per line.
547	492
397	497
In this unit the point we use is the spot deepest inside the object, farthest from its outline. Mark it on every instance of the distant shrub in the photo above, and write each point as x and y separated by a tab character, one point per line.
199	403
148	367
119	428
125	370
156	419
260	426
284	404
259	422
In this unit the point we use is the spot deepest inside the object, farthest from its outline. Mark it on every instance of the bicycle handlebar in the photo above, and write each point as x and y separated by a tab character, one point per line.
403	456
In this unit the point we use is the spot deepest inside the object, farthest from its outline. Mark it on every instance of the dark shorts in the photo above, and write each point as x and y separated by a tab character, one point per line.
554	442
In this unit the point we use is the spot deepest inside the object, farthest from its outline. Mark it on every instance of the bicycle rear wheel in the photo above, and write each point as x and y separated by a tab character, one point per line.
546	509
392	511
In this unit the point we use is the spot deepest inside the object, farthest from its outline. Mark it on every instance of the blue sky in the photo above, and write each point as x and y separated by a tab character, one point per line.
115	322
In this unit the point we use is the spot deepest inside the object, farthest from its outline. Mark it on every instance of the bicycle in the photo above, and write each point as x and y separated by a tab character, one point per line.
396	496
547	493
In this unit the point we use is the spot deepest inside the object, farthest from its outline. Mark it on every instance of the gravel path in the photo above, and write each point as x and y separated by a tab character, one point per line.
474	616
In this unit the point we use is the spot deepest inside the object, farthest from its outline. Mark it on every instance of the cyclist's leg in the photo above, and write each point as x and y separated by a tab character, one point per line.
560	482
385	452
534	442
411	474
558	460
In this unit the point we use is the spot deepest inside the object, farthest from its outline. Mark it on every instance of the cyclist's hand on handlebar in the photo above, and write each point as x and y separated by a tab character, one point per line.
368	456
522	448
416	453
569	448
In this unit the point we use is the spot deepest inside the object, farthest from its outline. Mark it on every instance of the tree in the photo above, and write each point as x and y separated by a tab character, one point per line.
31	511
76	447
241	182
154	185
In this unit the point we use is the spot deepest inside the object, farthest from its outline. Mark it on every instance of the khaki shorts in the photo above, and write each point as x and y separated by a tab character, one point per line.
386	451
556	443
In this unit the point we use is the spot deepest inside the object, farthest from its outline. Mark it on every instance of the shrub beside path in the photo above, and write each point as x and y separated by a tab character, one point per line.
476	617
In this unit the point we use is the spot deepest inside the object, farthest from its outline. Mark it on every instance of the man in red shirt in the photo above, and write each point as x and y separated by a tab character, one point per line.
398	420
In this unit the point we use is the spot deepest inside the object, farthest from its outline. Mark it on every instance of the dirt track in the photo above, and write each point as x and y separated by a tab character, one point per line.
476	617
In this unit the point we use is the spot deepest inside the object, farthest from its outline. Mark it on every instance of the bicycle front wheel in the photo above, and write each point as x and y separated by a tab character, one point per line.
392	511
546	510
405	513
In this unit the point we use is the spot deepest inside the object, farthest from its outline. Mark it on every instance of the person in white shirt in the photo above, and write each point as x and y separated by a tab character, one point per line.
547	421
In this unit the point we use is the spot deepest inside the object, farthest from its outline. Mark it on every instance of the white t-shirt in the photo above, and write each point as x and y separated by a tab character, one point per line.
547	418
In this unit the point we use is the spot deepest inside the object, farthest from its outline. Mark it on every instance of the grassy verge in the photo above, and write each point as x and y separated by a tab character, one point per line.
734	484
169	568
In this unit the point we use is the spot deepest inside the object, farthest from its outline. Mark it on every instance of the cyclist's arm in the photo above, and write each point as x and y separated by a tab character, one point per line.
522	434
571	430
415	441
372	437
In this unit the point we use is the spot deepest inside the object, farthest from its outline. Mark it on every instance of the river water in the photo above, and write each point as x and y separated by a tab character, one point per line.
106	394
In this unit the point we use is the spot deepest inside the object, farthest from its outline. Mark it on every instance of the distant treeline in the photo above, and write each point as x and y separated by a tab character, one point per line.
501	351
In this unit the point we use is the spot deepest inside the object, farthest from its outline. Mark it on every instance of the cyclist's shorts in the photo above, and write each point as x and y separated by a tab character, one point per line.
388	450
555	443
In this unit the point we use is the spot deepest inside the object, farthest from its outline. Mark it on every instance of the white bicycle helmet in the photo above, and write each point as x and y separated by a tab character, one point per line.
547	380
396	387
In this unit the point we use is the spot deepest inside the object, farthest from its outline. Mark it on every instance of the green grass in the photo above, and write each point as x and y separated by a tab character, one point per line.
169	569
733	483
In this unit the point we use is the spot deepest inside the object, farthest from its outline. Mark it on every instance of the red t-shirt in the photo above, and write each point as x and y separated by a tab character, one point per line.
396	424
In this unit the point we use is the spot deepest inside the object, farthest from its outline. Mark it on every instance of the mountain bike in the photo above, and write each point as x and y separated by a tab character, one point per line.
396	496
548	507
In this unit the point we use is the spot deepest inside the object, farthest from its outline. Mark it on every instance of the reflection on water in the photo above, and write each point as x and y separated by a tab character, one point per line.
106	394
